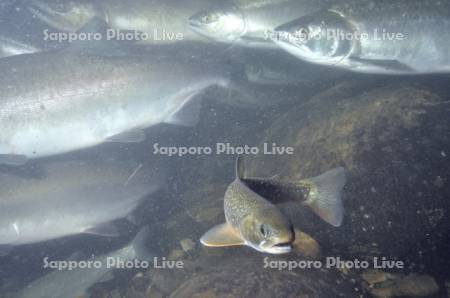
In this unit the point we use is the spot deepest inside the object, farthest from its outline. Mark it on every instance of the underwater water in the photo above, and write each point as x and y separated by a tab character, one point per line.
234	148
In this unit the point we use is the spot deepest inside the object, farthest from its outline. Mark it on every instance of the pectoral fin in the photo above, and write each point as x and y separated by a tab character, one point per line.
221	235
139	244
306	245
188	113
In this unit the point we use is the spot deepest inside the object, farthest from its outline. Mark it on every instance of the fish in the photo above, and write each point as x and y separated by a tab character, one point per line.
76	282
250	23
154	22
56	102
73	197
379	37
269	67
252	219
11	47
322	193
65	15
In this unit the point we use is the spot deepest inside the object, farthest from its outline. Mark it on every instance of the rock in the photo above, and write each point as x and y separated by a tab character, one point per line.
247	277
165	281
206	214
187	245
176	254
183	228
374	276
411	286
391	141
115	294
153	292
133	293
139	282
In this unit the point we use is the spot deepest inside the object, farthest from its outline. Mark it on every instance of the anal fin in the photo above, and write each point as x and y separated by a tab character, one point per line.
306	245
189	112
131	136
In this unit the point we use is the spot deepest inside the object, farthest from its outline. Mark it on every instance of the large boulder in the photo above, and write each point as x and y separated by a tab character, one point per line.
394	140
247	277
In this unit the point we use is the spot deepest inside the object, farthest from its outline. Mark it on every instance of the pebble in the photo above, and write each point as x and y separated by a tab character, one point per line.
187	244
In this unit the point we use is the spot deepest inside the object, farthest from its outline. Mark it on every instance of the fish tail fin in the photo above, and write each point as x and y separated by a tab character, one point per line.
240	170
325	196
140	249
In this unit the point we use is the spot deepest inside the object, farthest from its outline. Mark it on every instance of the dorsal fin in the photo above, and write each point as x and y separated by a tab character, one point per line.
240	171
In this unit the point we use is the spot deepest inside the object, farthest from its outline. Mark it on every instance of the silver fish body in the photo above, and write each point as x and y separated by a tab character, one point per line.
53	103
65	15
164	22
155	21
73	198
387	37
11	47
76	282
250	22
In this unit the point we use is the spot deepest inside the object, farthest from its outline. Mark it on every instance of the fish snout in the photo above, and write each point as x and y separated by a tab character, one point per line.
279	248
278	245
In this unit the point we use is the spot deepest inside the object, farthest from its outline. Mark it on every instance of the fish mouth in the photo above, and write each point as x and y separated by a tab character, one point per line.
194	23
197	27
286	42
236	26
280	248
302	52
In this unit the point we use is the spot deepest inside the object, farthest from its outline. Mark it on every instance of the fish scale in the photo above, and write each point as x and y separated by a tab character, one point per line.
387	37
62	101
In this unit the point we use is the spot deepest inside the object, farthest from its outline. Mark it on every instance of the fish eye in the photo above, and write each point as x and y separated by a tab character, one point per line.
209	18
305	31
314	30
265	230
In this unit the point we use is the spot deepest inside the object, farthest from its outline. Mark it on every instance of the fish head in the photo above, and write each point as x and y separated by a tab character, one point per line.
66	15
225	23
324	38
268	231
